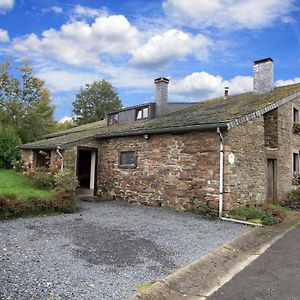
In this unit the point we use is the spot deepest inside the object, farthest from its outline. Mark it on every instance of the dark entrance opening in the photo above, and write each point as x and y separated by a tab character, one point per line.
84	168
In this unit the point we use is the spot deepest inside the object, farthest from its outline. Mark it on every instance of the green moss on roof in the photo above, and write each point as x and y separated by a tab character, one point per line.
78	128
209	112
214	111
68	137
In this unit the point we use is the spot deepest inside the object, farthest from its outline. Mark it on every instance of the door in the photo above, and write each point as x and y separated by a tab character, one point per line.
271	180
86	170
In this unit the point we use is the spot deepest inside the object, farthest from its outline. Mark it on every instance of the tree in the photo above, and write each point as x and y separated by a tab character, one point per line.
9	146
94	101
25	103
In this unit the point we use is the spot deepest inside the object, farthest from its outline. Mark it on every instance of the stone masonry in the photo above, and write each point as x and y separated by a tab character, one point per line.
176	170
263	76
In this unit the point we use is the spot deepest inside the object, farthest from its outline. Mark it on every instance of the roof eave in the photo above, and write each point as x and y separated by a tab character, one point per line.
177	129
262	111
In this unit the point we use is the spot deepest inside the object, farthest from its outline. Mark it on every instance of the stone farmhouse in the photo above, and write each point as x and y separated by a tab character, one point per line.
232	151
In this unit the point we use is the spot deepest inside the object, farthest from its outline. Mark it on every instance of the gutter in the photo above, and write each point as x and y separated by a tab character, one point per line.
221	187
62	158
173	129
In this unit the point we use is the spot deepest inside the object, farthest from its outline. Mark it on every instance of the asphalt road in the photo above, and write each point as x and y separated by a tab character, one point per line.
273	275
104	251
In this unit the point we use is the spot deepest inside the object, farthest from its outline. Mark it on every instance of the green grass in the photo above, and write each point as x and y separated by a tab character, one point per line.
255	215
17	186
281	208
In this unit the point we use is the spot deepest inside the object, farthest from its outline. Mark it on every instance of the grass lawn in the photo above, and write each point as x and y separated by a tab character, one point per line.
13	185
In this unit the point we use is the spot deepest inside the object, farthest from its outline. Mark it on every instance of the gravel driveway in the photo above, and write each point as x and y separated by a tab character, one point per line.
102	252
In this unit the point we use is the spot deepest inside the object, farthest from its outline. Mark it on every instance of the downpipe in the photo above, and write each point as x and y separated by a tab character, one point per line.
221	186
62	158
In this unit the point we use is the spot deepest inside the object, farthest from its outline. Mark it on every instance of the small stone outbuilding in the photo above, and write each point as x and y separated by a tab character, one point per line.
232	151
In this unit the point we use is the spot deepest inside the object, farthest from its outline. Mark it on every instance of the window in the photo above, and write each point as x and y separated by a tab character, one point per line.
296	162
113	119
43	158
296	115
128	159
142	113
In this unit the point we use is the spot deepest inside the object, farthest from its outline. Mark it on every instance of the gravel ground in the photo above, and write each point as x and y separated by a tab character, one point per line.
102	252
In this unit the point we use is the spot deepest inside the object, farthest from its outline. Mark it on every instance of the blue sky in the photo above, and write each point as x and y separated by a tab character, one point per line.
200	45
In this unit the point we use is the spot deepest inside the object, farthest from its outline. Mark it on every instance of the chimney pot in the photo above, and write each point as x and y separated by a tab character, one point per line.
161	95
226	91
263	76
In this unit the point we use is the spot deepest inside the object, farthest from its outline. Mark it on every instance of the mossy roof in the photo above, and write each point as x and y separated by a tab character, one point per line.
67	138
210	113
78	128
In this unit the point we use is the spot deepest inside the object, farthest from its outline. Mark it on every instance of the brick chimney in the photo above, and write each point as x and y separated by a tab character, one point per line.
263	76
161	95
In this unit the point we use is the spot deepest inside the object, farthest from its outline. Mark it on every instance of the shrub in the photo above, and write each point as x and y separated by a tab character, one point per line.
10	208
9	147
42	178
21	166
266	217
296	127
65	182
293	199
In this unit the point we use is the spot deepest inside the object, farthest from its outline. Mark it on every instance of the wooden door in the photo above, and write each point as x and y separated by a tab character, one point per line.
271	180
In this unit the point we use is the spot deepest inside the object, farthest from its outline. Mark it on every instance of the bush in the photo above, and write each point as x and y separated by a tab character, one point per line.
9	147
21	166
10	208
296	127
42	178
65	182
293	199
254	213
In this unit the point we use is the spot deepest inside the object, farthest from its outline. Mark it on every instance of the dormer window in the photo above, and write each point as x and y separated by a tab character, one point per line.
113	119
142	113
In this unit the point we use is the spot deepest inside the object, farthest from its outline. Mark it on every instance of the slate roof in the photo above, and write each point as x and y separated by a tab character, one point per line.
218	112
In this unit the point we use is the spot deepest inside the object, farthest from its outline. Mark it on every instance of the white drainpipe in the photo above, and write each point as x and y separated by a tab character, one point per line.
221	190
62	158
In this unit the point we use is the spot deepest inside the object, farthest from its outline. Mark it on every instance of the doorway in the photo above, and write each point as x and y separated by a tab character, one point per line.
271	180
86	170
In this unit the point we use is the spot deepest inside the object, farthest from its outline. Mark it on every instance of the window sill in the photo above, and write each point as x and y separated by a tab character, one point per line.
127	166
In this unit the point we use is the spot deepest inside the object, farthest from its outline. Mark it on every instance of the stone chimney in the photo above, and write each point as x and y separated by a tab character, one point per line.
226	92
263	76
161	95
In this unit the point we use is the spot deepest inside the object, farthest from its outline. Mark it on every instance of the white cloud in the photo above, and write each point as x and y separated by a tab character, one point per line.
6	5
202	85
78	43
3	36
287	81
61	81
233	14
172	44
65	119
57	9
84	11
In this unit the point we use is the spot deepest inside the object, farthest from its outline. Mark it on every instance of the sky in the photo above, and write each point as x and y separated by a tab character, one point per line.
201	46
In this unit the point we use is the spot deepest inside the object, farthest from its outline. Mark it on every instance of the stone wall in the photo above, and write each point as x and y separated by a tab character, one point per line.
245	178
29	157
289	143
252	143
180	171
271	128
69	155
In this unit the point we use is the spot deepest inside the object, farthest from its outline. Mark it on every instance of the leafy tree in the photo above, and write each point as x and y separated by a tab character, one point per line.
25	103
9	146
94	101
